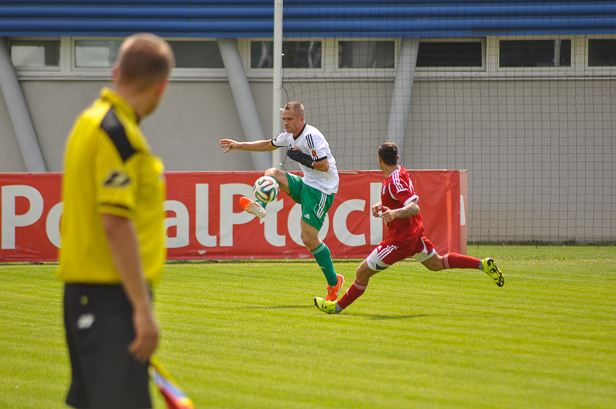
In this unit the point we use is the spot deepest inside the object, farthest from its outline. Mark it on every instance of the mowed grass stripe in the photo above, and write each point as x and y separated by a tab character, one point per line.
534	315
246	334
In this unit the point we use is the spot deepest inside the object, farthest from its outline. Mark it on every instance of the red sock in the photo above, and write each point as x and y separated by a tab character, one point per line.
455	260
354	292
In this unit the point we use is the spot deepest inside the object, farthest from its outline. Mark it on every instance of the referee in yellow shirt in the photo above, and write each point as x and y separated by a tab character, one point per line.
112	251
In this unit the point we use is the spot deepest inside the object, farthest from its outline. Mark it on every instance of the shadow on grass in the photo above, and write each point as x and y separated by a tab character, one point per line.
352	314
275	307
393	317
407	316
371	316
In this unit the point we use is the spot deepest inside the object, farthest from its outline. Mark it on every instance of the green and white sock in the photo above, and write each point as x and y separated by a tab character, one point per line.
261	203
324	259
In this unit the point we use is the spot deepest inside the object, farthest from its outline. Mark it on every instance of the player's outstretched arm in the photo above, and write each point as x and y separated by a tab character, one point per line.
258	146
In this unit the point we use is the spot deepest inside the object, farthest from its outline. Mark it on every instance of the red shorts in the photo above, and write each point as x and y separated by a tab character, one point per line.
388	253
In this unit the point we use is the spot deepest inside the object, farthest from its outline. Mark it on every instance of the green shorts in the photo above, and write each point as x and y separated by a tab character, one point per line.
315	203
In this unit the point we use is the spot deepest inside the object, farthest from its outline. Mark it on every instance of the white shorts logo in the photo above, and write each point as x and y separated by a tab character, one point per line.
85	321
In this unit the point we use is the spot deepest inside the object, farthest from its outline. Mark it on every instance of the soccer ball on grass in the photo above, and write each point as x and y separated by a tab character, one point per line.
266	189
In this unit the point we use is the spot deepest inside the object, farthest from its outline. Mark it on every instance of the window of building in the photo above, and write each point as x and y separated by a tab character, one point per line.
602	53
96	53
535	53
450	54
35	53
188	54
196	54
366	54
296	54
200	59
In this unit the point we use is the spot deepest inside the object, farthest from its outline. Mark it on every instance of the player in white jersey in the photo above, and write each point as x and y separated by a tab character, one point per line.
315	191
315	148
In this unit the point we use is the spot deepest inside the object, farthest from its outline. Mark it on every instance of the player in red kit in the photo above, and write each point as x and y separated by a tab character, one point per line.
405	237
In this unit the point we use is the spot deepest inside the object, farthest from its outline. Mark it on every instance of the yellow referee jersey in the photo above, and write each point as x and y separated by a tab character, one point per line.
108	168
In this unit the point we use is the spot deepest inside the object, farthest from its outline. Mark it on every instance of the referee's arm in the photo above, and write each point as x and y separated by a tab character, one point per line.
124	247
258	146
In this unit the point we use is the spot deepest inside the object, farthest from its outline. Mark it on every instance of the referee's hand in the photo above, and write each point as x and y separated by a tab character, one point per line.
146	335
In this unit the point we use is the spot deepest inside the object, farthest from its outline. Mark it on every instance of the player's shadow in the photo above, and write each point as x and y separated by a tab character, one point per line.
370	316
376	317
277	307
409	316
392	317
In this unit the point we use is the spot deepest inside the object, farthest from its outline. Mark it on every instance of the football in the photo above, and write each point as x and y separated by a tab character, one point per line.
266	189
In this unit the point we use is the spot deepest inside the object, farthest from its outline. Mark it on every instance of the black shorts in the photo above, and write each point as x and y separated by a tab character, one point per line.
99	328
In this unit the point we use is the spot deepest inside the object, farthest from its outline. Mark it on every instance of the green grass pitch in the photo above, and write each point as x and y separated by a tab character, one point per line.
247	335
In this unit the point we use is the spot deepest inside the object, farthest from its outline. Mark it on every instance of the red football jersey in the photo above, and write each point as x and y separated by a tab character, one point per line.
397	192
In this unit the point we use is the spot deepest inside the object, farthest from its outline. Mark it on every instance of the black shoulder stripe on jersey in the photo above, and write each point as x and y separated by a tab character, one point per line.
114	128
310	141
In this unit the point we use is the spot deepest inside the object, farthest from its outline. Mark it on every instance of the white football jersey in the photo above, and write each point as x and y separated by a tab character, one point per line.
312	142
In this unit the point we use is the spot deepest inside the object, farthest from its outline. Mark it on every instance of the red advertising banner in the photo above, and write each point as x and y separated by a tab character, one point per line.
205	221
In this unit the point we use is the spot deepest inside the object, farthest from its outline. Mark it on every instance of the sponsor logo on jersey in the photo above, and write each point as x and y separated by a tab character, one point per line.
116	178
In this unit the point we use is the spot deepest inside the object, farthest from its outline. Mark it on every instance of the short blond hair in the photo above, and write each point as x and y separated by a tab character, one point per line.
296	107
144	60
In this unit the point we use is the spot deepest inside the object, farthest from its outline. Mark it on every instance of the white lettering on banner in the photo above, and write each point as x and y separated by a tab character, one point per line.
10	220
376	223
270	227
181	221
340	223
294	225
52	224
202	213
227	217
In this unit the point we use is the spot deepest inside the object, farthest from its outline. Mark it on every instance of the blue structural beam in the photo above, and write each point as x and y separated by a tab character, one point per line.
328	11
302	18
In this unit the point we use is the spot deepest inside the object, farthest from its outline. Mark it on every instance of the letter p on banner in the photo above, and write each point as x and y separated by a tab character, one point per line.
10	219
26	200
